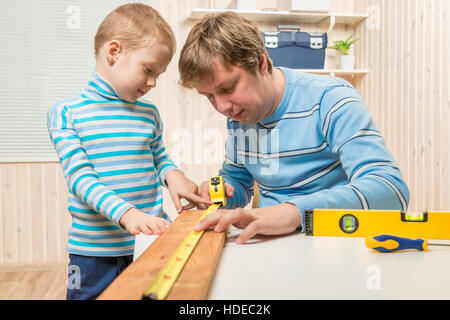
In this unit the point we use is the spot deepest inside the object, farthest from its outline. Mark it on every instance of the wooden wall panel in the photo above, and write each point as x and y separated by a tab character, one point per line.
407	91
25	229
405	49
33	213
9	213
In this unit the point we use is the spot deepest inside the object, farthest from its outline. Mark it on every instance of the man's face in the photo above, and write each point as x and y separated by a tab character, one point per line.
135	72
237	93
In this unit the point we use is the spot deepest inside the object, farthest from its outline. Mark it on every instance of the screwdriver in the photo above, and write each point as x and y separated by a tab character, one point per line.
390	243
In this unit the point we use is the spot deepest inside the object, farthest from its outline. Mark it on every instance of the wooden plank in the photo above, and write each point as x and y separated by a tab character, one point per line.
2	219
194	280
9	222
64	218
445	104
50	204
24	225
38	218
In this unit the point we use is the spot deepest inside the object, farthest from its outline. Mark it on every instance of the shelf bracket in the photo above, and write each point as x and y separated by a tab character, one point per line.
331	20
332	24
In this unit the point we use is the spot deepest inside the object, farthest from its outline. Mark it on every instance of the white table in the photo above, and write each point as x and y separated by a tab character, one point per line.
297	266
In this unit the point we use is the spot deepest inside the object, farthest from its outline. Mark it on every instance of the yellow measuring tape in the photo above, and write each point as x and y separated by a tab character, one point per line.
164	281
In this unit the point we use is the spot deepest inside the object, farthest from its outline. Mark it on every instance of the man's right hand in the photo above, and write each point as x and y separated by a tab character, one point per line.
275	220
204	193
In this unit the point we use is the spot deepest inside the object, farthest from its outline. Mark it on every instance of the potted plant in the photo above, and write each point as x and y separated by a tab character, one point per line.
346	61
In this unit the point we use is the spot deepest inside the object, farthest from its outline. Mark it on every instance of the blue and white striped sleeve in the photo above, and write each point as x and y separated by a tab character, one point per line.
374	179
236	174
82	180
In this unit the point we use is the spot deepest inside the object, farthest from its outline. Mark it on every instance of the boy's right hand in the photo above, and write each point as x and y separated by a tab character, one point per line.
204	193
136	222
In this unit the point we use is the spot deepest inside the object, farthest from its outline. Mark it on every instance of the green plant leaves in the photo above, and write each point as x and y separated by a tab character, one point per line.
343	46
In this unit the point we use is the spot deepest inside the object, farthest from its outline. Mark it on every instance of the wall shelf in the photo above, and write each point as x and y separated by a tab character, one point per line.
287	16
331	19
337	72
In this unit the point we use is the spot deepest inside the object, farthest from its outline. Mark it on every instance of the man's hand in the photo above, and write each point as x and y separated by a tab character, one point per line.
280	219
204	193
136	221
182	187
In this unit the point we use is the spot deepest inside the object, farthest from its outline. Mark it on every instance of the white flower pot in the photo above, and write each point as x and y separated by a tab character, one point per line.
347	62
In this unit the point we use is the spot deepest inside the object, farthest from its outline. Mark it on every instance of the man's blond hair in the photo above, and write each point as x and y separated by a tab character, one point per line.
227	36
131	24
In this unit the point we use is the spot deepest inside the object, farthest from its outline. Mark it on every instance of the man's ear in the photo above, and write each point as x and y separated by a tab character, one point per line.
263	65
113	49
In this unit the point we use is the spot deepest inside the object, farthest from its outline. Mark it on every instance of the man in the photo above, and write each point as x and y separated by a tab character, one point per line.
307	140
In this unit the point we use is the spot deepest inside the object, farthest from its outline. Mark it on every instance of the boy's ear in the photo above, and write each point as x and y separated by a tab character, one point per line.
113	48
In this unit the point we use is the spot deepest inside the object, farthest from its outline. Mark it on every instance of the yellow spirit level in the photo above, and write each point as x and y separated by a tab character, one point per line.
364	223
164	281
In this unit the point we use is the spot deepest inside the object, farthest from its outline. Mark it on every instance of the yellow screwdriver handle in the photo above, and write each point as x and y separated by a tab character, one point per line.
390	243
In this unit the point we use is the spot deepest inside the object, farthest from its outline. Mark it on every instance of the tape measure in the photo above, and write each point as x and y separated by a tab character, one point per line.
364	223
164	281
217	190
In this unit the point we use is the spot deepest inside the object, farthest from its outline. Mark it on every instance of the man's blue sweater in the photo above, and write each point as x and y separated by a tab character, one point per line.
319	149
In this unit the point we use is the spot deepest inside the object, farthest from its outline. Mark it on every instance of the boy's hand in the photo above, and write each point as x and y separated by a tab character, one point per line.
182	187
136	221
204	193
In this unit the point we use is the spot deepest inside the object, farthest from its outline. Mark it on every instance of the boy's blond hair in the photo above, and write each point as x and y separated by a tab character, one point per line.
227	36
130	24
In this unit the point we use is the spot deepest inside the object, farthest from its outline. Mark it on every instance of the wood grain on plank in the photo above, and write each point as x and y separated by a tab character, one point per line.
194	280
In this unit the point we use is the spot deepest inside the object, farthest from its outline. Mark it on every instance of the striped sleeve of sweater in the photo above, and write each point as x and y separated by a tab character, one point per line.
82	179
98	163
374	180
319	149
113	158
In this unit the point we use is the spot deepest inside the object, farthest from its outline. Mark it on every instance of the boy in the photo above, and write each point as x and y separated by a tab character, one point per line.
111	150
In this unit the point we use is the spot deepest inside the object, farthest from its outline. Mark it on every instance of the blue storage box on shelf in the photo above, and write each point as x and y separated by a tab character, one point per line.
295	49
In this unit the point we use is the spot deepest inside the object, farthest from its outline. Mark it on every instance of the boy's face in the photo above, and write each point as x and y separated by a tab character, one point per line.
237	93
133	73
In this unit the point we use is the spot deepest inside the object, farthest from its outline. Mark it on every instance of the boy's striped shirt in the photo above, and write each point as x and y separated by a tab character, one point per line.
113	158
319	149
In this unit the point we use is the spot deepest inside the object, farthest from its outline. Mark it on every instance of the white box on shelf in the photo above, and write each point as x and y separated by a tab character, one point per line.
246	5
304	5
